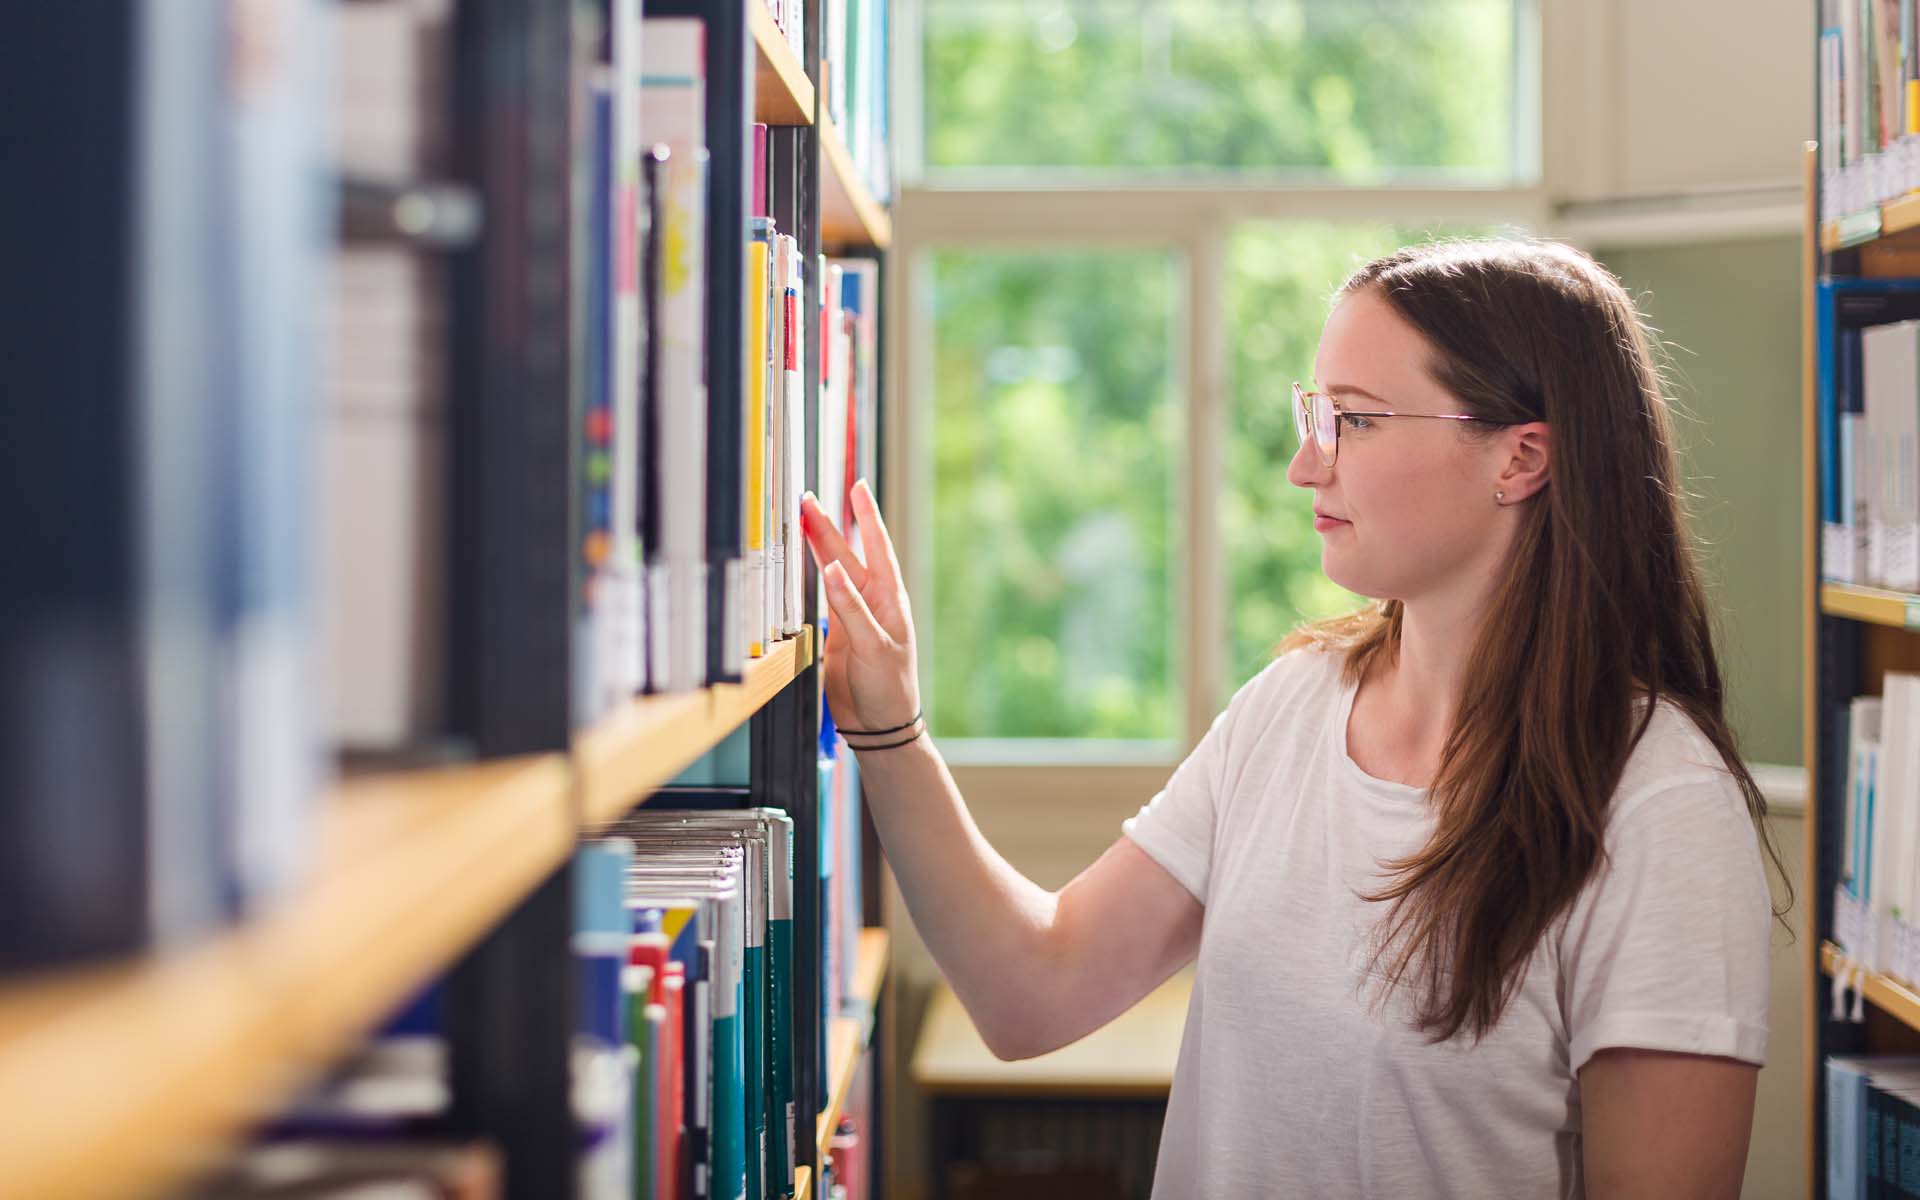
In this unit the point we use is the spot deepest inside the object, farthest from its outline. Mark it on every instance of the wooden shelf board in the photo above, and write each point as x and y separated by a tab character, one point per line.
1890	996
1875	605
140	1071
1895	217
782	93
870	964
846	1036
850	218
649	741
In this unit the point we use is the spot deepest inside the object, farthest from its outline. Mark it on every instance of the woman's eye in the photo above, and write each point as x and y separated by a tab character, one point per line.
1355	421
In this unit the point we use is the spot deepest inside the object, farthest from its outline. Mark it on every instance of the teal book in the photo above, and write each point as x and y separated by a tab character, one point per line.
780	1094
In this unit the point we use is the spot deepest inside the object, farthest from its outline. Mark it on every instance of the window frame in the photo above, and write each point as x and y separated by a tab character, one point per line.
1564	53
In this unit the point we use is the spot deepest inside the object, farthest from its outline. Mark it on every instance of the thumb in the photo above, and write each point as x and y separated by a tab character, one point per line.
850	611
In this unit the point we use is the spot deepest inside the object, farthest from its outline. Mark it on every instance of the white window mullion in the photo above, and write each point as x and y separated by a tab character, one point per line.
1202	570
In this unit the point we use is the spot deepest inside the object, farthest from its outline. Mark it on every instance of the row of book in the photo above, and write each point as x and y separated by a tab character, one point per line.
1873	1126
158	730
686	953
854	66
1869	107
649	553
1877	896
1869	431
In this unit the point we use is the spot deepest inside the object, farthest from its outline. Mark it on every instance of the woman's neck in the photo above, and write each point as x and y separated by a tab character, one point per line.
1410	702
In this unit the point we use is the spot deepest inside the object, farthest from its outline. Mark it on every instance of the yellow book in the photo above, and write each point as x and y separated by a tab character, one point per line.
756	426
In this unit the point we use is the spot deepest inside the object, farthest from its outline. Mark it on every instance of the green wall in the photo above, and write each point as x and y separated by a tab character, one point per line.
1729	313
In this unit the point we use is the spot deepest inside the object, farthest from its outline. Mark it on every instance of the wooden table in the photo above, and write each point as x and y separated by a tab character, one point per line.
1125	1067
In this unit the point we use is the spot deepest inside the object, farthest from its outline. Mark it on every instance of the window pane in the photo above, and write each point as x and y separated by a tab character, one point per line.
1280	277
1055	440
1358	90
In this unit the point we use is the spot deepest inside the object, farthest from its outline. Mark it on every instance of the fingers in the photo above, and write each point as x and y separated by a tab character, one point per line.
825	541
873	537
850	613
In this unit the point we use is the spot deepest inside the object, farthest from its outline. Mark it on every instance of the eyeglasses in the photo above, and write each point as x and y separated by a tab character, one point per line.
1316	416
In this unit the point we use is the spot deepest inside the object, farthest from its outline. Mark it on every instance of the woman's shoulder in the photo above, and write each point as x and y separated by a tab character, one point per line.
1298	674
1674	763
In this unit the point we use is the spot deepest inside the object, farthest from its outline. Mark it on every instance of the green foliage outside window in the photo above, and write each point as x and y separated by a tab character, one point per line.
1360	90
1056	440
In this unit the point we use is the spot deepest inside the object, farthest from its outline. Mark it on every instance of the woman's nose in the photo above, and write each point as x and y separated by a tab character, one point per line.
1305	468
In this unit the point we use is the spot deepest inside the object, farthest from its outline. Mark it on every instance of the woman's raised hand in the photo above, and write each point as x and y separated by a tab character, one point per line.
868	664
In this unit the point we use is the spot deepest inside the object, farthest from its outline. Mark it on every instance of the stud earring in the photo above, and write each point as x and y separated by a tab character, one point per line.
1499	497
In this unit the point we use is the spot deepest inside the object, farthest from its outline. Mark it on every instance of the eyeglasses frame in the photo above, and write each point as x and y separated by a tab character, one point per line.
1305	426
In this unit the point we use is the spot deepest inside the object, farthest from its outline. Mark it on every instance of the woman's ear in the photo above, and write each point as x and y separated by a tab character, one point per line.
1525	468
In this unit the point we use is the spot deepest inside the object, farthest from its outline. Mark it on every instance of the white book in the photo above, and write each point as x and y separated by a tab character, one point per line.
673	113
626	596
1885	866
1890	371
831	488
1898	796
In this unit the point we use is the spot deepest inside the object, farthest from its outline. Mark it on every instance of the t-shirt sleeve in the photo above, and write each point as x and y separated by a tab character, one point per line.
1176	827
1667	947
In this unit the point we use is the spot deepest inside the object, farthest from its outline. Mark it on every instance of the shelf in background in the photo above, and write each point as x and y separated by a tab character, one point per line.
1888	995
645	744
847	1036
782	93
850	218
1895	216
411	870
1875	605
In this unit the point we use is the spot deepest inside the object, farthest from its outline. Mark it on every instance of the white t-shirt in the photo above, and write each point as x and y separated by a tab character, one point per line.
1289	1083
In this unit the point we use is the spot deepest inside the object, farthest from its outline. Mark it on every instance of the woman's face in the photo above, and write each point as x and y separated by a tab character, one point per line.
1408	508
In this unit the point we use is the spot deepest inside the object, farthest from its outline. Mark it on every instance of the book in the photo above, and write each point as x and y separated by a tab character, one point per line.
673	112
757	371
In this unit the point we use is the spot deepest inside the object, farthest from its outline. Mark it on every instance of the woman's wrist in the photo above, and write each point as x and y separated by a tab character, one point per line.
885	737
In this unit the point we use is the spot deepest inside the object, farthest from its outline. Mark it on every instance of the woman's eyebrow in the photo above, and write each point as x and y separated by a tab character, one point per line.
1338	389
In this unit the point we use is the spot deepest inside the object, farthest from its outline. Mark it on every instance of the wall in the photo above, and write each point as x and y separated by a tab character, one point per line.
1730	313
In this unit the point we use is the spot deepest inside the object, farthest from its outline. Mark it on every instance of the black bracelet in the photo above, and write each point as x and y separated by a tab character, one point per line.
879	732
890	745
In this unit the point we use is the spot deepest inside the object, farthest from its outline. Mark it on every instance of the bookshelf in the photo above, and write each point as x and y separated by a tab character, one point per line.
642	746
1885	993
1877	606
137	1069
1853	634
1887	220
850	218
851	1036
128	1076
783	95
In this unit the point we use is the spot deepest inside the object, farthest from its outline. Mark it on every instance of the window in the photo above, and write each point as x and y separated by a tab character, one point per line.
1055	441
1358	91
1121	226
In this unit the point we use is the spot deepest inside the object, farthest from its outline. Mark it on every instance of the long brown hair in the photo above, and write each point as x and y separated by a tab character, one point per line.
1601	603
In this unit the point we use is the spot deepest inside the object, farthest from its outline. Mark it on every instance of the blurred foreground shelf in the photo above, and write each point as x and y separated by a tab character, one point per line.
118	1079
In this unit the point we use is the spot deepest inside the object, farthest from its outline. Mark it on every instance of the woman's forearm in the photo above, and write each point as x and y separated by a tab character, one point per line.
988	927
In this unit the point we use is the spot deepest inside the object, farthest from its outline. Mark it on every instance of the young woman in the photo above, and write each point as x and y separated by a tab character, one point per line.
1473	876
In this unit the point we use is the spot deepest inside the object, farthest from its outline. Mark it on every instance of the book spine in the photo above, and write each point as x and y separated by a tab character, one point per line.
755	420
